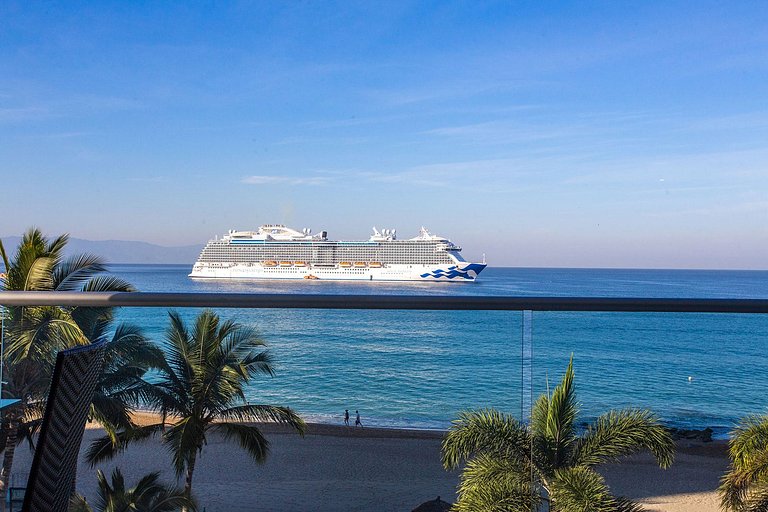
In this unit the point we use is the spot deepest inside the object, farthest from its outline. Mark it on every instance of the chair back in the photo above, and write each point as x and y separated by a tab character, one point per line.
54	466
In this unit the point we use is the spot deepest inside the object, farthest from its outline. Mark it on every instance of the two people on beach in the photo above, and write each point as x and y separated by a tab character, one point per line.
358	423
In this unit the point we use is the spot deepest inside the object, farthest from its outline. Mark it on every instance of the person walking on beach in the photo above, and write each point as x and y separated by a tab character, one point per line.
358	423
346	417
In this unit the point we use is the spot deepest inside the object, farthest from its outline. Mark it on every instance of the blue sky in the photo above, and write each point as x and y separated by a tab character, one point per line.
609	134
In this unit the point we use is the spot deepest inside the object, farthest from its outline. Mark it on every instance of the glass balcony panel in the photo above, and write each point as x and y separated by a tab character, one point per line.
695	370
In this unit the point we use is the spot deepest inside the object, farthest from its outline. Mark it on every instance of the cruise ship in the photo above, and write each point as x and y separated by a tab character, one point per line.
275	251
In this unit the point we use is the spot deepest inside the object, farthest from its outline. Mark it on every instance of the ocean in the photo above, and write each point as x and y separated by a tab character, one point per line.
418	369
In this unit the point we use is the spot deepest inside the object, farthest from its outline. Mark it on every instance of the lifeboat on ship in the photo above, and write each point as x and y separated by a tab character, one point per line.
299	264
360	264
286	264
311	276
375	264
345	264
270	263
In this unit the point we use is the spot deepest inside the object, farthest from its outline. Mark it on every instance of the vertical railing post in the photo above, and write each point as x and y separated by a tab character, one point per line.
526	370
526	377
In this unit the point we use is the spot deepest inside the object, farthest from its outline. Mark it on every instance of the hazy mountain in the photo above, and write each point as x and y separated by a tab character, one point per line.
121	251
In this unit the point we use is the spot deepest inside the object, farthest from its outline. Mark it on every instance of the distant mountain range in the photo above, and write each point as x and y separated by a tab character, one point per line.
121	251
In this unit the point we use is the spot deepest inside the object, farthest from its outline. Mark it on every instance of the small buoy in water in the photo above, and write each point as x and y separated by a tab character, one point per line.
690	378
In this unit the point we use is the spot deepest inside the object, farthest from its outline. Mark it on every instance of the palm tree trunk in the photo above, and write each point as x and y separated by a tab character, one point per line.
188	480
12	422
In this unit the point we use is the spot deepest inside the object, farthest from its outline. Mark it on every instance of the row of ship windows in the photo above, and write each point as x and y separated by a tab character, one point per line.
393	261
338	254
325	249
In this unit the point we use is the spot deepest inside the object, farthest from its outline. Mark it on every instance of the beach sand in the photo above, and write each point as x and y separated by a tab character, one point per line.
346	468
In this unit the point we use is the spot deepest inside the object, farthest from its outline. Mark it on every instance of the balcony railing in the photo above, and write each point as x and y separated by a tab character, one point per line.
405	302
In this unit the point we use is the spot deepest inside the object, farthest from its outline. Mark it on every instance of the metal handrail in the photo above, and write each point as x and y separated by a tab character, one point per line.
416	302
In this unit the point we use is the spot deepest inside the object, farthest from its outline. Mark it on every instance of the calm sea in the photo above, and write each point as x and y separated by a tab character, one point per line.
419	368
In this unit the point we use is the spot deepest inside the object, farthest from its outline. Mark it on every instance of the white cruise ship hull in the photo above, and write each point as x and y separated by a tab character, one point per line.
455	272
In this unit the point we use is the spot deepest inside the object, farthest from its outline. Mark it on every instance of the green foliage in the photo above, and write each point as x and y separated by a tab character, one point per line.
744	488
34	335
149	495
38	332
512	466
200	389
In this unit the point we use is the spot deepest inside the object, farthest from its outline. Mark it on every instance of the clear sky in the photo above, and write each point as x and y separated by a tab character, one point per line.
609	134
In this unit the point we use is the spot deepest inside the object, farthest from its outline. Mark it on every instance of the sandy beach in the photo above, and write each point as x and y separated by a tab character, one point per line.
346	468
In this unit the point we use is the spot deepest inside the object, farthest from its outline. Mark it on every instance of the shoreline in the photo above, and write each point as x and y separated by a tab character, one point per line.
335	467
705	434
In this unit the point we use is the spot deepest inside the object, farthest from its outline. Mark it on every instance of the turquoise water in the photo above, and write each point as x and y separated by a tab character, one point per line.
419	368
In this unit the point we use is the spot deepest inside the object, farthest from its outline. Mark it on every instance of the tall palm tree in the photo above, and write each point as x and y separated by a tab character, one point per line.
34	334
513	466
744	488
149	495
200	389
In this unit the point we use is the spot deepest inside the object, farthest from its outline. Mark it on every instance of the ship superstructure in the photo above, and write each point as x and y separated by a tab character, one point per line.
275	251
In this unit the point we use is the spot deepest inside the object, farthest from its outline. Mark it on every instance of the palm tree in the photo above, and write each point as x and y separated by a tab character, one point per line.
513	466
744	488
149	495
199	390
39	265
35	334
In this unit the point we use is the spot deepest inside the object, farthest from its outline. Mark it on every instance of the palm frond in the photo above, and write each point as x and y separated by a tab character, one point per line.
250	438
29	269
148	495
562	410
745	477
626	505
38	276
41	333
72	273
55	247
106	492
758	499
78	503
579	489
264	413
107	283
485	431
178	353
151	495
184	439
540	414
110	410
106	447
95	322
620	433
749	438
29	428
6	263
495	483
